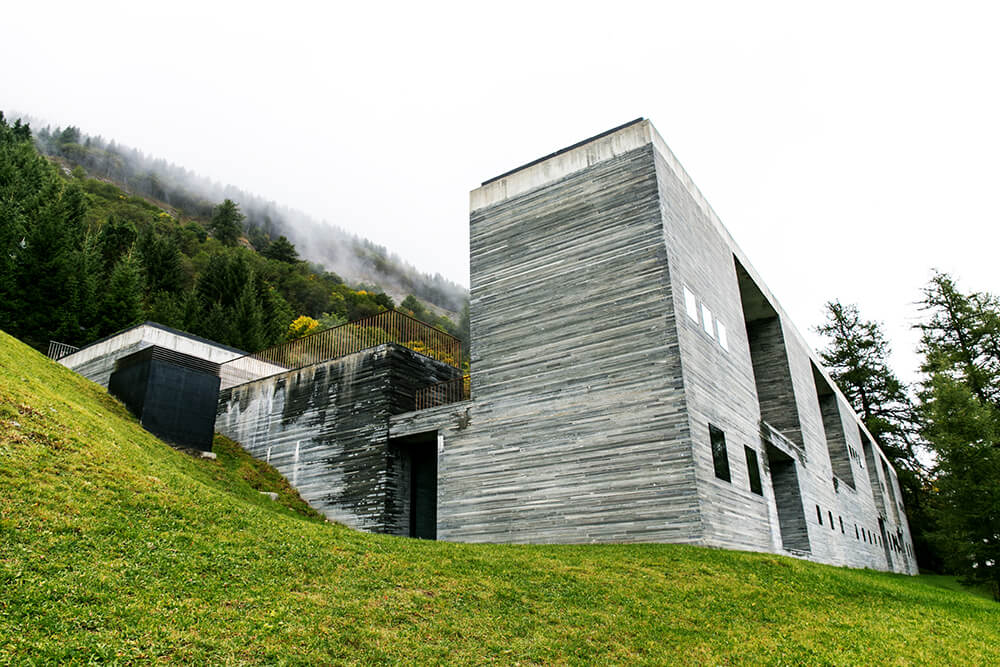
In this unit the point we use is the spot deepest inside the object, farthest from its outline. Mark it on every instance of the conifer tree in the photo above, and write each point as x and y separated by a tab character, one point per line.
83	293
122	304
960	404
227	222
858	360
248	320
161	259
281	250
114	239
46	265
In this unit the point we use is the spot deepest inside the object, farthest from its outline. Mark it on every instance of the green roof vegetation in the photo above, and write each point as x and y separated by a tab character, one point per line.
115	547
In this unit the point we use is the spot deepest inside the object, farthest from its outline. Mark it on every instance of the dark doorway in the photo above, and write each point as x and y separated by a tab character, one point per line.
416	493
423	493
788	498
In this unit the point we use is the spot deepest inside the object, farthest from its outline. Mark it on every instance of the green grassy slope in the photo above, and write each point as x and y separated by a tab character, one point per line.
114	547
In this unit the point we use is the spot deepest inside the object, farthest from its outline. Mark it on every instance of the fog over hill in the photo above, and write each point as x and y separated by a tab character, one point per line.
353	257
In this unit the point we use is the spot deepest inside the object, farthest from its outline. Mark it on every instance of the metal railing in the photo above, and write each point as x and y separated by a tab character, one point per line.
443	393
59	350
390	326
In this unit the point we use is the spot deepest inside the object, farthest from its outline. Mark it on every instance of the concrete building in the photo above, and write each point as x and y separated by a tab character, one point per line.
96	361
632	380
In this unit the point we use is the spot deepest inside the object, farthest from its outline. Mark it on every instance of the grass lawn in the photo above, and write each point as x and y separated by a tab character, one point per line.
116	548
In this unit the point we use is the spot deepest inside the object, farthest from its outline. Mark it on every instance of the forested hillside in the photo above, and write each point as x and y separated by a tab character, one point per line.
185	194
80	258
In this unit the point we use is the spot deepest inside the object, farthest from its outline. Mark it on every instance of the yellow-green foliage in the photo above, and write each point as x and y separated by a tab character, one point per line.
428	351
116	548
302	326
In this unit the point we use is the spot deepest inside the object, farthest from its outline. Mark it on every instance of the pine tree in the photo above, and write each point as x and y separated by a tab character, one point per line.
960	404
161	259
46	266
29	215
281	250
276	312
858	360
114	239
84	293
248	319
227	222
122	304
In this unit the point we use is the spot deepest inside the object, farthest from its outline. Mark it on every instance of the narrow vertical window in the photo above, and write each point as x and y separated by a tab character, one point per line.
720	457
819	515
832	527
691	303
841	524
706	320
723	337
753	471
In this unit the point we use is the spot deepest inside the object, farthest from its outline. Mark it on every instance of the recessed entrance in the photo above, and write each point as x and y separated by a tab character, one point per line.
415	497
788	499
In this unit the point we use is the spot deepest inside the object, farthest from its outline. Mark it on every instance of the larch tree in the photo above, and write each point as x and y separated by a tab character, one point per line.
858	360
960	406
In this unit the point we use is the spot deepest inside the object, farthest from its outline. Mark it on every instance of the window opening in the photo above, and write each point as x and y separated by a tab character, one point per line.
691	303
706	321
720	456
753	471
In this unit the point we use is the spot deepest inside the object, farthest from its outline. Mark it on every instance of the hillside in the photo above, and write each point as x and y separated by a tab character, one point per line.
185	194
81	258
115	547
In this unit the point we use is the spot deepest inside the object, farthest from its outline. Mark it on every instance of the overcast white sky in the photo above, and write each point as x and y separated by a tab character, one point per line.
849	147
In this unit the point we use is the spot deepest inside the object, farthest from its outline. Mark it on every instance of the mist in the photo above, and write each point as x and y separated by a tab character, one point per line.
182	192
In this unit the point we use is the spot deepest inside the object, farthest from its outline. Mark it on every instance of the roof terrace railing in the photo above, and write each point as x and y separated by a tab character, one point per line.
59	350
390	326
443	393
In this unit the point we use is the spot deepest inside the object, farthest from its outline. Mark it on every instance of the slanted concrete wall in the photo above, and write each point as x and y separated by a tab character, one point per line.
758	369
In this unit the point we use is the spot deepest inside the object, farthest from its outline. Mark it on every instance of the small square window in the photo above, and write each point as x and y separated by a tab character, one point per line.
706	320
720	456
723	338
691	303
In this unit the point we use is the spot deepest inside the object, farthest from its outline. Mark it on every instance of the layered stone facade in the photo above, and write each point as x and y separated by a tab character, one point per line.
633	379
